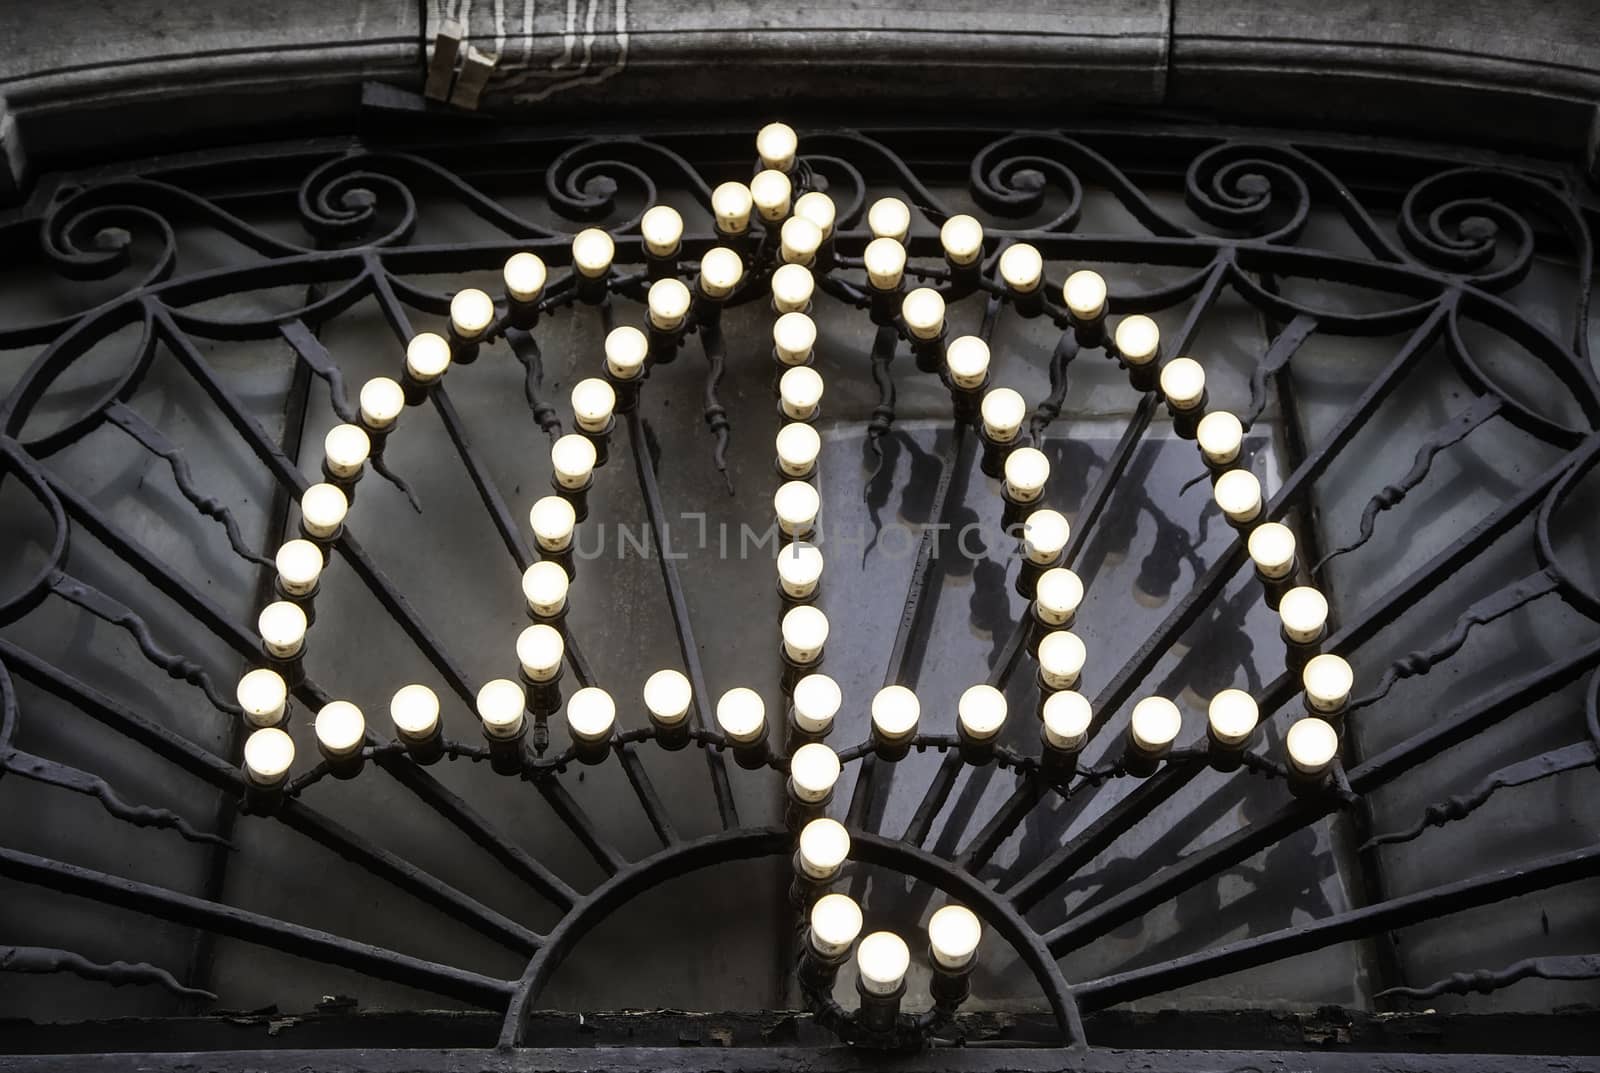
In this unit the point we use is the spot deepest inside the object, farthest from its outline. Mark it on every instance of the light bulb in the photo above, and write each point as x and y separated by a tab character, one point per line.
414	710
524	276
885	261
1138	339
1272	549
668	301
1003	411
322	510
953	935
552	519
1057	596
593	401
500	707
1067	717
967	359
895	710
427	357
793	336
775	145
889	218
1232	717
471	313
540	649
792	286
923	310
720	272
742	715
962	239
268	755
1220	435
1085	294
299	565
824	847
341	728
818	208
1061	658
667	695
1327	679
1304	612
731	203
592	252
1021	268
805	632
1312	744
1238	493
1026	470
346	448
382	399
816	701
799	569
799	241
770	191
835	923
591	714
544	586
1183	382
798	447
1155	724
283	629
981	712
662	230
813	770
262	696
626	350
881	961
800	390
796	503
573	458
1044	536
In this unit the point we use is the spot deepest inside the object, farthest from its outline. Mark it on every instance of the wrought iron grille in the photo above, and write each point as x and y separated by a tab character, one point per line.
1470	274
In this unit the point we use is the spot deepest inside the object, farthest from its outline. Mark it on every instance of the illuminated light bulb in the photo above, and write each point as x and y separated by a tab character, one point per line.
592	252
591	714
889	218
593	401
524	276
1138	339
792	286
800	569
427	357
1061	658
1155	724
1272	549
668	301
414	710
322	510
1232	717
805	632
471	313
346	448
626	350
553	519
1044	536
882	959
540	649
796	504
1026	471
262	696
341	728
962	239
573	458
1304	613
800	390
923	310
813	770
1021	268
667	695
742	715
1003	411
1067	717
1085	294
981	712
731	204
770	191
1327	679
500	707
1220	435
793	336
835	922
798	448
775	145
662	230
1238	493
720	272
382	400
544	586
299	565
818	208
885	261
895	710
283	629
816	701
967	359
953	936
799	241
1183	382
824	847
1312	744
1057	596
268	755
